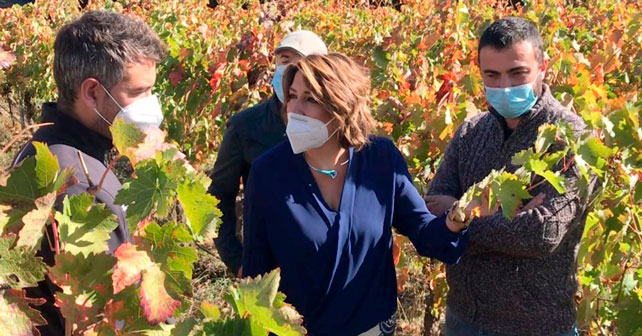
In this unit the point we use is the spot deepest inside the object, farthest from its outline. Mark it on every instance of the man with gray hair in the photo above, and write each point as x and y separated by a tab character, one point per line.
105	68
249	133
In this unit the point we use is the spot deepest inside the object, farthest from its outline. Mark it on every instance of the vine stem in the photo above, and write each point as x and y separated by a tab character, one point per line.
637	230
536	185
17	136
567	165
626	268
204	249
54	227
68	327
93	190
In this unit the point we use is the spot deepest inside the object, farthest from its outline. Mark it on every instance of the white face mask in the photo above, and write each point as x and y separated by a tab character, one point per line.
306	133
144	113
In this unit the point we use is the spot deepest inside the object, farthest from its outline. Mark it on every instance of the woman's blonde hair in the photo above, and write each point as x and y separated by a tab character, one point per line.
342	87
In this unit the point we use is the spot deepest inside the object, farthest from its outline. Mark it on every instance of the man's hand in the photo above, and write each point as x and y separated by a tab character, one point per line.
534	203
438	204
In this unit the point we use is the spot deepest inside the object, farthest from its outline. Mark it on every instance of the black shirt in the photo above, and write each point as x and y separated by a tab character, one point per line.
249	134
65	138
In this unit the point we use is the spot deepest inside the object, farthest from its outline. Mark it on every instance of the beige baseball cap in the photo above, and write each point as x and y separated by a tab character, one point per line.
303	42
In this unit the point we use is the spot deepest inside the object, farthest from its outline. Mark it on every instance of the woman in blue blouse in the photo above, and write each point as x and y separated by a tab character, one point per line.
322	205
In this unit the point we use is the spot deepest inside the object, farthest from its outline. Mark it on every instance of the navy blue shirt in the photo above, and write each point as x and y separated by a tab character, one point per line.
336	266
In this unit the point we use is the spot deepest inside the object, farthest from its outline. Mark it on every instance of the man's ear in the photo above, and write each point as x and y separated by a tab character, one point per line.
91	92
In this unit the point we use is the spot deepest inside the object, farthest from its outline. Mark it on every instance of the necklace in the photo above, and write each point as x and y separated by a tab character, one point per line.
329	172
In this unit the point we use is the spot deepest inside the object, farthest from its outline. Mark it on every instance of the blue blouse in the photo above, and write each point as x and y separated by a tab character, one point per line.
336	266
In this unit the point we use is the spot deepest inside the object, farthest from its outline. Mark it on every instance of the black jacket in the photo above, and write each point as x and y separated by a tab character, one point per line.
248	134
65	138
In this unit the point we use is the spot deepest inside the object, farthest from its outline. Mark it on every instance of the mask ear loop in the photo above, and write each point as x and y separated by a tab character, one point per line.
112	98
101	116
335	130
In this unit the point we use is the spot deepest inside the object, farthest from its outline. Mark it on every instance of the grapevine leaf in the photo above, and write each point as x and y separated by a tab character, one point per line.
628	315
16	316
80	307
86	286
186	328
19	266
126	136
34	222
83	226
21	186
546	137
200	209
237	326
166	248
210	311
157	304
541	165
46	166
64	178
524	157
553	159
256	298
131	263
151	188
381	57
79	272
595	154
154	144
510	191
542	169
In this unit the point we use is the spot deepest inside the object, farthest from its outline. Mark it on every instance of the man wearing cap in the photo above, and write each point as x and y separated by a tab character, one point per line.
248	134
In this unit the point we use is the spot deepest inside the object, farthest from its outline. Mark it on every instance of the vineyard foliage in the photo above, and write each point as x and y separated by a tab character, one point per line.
425	80
144	284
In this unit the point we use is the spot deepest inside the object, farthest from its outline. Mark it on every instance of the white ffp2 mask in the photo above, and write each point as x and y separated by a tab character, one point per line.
144	113
306	133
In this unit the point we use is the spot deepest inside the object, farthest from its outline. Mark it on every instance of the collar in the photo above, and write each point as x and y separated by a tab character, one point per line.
275	105
68	131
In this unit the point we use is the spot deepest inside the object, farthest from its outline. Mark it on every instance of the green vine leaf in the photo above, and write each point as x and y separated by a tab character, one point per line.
35	221
257	299
83	226
167	247
200	209
151	189
16	315
126	137
22	186
19	267
86	286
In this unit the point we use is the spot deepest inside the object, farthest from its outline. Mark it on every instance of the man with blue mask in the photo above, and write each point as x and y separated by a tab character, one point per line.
518	277
110	77
248	134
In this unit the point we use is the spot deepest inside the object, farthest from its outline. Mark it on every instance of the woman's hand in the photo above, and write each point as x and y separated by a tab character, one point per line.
458	220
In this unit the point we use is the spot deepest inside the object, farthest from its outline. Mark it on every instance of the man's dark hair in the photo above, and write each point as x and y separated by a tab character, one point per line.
505	32
100	44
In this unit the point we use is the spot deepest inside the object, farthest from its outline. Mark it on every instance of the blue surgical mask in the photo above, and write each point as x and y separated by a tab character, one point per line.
277	82
512	102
